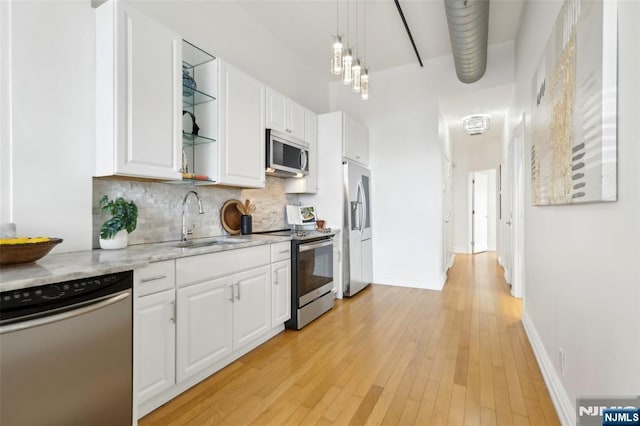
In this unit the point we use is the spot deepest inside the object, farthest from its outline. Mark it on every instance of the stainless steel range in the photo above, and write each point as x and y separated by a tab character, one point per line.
311	275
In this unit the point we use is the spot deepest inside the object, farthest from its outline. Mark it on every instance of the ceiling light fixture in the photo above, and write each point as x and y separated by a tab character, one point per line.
336	59
364	75
476	124
347	58
351	70
355	69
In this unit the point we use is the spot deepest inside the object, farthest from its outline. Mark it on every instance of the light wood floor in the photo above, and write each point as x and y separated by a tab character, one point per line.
389	355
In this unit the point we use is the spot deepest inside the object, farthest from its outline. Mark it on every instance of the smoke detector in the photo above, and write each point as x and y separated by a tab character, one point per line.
476	124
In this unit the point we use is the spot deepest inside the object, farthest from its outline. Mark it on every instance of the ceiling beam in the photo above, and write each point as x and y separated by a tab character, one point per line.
406	27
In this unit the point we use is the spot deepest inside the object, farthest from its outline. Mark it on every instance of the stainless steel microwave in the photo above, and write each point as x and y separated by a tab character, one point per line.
286	155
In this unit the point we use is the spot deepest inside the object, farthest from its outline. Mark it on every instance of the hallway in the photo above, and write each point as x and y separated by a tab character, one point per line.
390	355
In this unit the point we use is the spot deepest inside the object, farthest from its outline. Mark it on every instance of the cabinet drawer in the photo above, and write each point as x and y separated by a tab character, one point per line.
280	251
195	269
154	278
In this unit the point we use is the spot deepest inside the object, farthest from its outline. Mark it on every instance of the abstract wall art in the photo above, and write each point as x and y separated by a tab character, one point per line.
573	143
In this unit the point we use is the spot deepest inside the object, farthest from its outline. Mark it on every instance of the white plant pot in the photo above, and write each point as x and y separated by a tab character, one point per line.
119	241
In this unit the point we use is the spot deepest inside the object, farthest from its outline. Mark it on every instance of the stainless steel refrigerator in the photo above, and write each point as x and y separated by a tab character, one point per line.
357	246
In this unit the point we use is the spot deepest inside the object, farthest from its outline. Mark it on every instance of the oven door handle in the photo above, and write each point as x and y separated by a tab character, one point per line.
97	304
313	246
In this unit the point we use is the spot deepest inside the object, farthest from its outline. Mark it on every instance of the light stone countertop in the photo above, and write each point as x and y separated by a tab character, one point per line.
83	264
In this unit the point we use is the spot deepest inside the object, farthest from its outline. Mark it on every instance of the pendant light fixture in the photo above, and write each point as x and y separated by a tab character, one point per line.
347	57
355	69
352	71
364	75
336	58
364	84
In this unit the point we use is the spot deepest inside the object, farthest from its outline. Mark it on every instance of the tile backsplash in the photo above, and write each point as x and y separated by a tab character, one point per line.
160	208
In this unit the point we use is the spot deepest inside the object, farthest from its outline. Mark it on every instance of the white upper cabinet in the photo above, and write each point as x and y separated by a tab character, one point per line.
356	141
242	129
284	115
138	95
309	183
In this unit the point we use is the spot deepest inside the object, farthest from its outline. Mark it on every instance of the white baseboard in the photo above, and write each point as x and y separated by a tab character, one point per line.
564	407
452	259
412	284
461	249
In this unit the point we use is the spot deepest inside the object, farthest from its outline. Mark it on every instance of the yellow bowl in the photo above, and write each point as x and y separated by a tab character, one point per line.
12	254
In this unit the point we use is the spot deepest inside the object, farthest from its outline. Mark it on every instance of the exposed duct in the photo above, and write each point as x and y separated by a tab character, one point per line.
469	31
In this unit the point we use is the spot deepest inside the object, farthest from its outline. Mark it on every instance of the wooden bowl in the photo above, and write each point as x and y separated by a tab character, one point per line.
230	216
13	254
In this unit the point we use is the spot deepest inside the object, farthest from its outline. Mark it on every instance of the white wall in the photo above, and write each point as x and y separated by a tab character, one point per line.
224	29
406	161
469	156
50	144
582	275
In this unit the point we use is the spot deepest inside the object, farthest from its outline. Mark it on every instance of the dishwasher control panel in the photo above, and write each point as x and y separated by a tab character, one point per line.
19	303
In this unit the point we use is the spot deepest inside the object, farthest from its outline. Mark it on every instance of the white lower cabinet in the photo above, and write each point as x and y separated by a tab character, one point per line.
154	330
204	326
281	292
251	305
219	316
155	344
196	314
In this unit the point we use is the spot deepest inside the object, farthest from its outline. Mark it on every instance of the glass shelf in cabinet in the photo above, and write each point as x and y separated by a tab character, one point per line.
197	98
191	140
192	56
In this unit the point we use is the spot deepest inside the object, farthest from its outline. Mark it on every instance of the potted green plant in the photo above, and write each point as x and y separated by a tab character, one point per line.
114	233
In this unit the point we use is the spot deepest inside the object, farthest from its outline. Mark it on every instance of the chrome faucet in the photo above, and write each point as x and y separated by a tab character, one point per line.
186	232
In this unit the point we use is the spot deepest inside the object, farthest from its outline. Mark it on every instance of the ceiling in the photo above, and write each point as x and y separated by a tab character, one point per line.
306	28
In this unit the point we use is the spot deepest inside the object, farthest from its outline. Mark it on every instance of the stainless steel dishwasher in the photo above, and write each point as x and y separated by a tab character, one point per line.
66	353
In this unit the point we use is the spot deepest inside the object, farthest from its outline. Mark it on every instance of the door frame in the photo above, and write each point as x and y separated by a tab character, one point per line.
515	220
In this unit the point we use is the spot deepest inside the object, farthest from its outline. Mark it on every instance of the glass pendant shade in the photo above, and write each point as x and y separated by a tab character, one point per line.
336	60
355	70
364	84
347	71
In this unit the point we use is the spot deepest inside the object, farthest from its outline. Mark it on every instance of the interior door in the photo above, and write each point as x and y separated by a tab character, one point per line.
480	212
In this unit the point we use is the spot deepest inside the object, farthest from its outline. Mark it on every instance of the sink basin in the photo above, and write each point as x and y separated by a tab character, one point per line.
217	241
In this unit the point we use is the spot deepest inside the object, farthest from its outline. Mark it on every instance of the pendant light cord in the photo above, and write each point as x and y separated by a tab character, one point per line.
356	29
348	38
364	31
337	18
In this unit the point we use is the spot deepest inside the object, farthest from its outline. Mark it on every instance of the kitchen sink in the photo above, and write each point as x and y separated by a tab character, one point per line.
217	241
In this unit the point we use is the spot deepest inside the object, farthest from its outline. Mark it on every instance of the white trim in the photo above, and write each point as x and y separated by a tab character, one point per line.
507	275
563	405
452	260
413	284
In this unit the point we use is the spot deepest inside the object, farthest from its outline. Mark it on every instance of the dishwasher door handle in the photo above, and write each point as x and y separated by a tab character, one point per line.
84	309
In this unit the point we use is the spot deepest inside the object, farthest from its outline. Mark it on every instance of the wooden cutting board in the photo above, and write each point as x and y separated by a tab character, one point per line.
230	216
